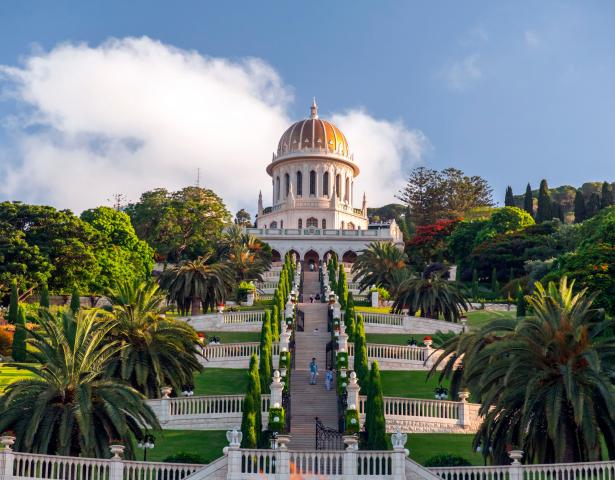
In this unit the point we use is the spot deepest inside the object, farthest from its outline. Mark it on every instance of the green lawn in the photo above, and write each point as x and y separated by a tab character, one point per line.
373	309
425	445
479	318
207	444
394	338
10	374
235	337
221	381
409	384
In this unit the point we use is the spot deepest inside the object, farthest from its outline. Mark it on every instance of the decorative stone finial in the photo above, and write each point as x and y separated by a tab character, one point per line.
234	437
314	109
516	456
398	440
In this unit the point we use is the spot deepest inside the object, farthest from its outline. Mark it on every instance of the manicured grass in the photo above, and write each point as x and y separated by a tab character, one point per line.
235	337
207	444
221	381
373	309
410	384
479	318
423	446
394	338
10	374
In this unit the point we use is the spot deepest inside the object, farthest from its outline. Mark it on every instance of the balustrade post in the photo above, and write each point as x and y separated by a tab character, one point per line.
400	452
352	389
219	322
116	467
464	410
234	454
283	464
342	339
374	299
515	471
276	390
7	457
406	322
165	405
350	464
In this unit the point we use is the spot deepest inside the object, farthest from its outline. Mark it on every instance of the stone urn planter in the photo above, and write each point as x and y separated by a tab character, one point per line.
283	440
516	456
117	450
351	442
7	440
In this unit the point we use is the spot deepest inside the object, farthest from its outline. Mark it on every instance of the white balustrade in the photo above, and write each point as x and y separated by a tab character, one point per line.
416	407
247	316
158	471
389	319
225	351
205	405
474	473
320	463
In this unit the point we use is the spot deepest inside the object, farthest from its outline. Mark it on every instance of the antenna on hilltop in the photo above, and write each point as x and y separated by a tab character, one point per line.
198	177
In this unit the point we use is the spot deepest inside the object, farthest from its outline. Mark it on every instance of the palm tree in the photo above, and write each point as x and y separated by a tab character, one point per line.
376	265
201	282
70	407
432	295
248	256
546	381
156	350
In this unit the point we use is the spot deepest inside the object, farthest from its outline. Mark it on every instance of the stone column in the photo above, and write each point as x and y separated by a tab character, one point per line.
337	310
400	452
350	464
342	339
116	469
7	457
165	405
234	454
374	299
515	471
276	390
353	392
464	410
284	338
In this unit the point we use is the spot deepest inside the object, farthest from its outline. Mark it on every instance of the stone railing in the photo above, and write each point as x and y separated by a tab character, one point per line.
244	321
398	357
416	415
19	465
235	355
267	286
204	412
399	323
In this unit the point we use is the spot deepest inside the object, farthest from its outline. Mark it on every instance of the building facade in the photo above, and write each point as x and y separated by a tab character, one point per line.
312	208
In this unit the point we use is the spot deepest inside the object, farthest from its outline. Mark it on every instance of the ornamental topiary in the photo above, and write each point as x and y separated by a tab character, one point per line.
352	424
277	421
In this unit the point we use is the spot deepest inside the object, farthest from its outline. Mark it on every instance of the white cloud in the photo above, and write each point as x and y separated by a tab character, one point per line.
134	114
461	74
531	38
384	151
474	36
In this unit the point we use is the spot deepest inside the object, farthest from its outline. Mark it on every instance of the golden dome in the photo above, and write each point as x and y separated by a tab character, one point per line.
313	135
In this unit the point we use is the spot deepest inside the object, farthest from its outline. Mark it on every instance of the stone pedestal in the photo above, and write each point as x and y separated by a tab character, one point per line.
353	388
276	390
374	299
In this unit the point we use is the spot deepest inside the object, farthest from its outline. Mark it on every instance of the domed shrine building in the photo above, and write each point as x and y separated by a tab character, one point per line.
312	210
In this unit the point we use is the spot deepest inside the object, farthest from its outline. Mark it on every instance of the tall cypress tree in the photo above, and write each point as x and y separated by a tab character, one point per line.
544	211
521	304
19	337
580	212
375	425
528	200
44	298
361	365
265	357
342	286
558	211
75	304
274	318
509	199
252	425
593	205
606	198
13	304
349	317
475	285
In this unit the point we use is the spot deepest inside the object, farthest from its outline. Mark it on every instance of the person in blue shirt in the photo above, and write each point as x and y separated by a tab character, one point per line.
313	371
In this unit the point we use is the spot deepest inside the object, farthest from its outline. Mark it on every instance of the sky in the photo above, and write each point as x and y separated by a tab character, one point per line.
106	97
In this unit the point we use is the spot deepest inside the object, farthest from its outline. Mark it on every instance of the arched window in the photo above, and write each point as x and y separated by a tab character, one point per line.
325	184
286	184
347	190
299	184
312	182
311	222
338	182
324	223
273	225
350	226
300	223
277	189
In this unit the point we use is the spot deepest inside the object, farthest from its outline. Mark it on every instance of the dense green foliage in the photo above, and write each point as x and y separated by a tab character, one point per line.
544	211
447	460
75	302
156	350
265	365
13	304
179	225
349	317
342	286
251	418
377	264
375	425
44	296
19	338
69	406
361	365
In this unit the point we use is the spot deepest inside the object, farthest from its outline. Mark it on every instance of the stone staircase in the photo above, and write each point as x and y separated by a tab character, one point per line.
310	401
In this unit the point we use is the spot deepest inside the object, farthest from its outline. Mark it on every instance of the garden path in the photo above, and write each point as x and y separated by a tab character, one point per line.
309	401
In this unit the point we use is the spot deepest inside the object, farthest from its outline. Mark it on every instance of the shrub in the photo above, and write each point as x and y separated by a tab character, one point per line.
352	421
342	360
447	460
6	342
276	422
19	337
243	290
185	457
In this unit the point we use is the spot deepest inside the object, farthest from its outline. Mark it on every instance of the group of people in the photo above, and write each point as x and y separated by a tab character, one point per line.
317	298
314	373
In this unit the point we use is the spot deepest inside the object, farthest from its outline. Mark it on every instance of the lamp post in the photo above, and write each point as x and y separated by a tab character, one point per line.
146	443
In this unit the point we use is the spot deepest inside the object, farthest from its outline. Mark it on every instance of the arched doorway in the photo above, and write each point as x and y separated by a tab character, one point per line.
296	253
310	260
276	256
328	255
349	257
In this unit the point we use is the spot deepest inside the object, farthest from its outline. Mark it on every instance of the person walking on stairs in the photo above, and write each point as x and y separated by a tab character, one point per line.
313	371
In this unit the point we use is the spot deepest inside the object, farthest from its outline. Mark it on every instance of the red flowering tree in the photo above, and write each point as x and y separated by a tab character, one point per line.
429	243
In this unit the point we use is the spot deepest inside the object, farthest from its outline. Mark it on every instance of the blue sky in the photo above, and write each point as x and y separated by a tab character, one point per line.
512	91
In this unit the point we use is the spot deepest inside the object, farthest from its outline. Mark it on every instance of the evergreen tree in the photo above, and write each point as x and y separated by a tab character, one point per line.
545	208
252	408
44	299
528	200
349	317
495	285
593	205
275	318
281	316
509	200
606	199
521	304
475	285
265	357
375	425
13	304
19	338
332	276
342	286
580	212
75	304
361	365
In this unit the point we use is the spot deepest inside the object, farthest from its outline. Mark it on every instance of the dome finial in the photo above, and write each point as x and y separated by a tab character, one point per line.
314	109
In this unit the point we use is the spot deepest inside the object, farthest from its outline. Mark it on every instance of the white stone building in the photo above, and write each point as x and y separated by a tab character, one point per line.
312	208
